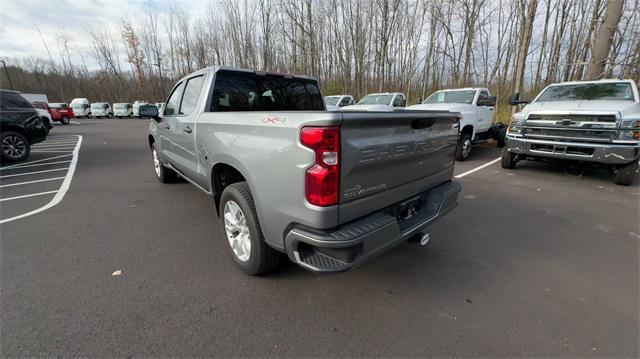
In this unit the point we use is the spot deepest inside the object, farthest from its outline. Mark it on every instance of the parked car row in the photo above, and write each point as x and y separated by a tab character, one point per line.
476	105
102	109
595	122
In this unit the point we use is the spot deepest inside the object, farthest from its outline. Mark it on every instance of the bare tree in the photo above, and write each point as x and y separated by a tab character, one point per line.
604	39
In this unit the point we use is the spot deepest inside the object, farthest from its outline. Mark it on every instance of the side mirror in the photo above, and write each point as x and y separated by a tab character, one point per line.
515	99
489	101
149	111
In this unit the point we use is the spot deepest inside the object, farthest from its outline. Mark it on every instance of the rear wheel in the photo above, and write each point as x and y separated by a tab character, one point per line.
508	160
502	137
242	228
464	147
164	174
625	173
15	147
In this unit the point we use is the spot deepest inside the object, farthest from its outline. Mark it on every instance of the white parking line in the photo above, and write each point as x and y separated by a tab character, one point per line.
29	182
53	142
34	172
18	165
51	150
66	144
59	194
478	168
23	196
35	165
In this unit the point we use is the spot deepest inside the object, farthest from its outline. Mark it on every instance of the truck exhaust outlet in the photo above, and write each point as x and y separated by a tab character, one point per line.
420	238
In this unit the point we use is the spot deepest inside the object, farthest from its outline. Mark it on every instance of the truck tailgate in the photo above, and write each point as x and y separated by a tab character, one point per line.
389	157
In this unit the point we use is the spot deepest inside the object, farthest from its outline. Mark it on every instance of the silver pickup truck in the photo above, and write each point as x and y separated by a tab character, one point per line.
586	121
329	189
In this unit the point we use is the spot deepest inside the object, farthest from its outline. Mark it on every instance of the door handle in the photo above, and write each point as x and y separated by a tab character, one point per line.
187	129
490	108
167	127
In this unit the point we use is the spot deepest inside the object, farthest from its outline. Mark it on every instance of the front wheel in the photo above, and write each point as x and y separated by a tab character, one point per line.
625	173
15	147
65	120
164	174
464	147
242	228
508	160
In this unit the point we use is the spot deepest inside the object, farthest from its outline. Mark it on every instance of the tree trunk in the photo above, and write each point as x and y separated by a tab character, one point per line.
604	38
525	40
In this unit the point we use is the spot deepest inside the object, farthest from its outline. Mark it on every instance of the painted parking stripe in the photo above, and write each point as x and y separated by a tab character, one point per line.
59	194
30	182
62	144
23	196
35	165
51	151
18	165
478	168
34	172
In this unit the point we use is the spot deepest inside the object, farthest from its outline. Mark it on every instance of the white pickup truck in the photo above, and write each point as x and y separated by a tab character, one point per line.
335	102
585	121
385	102
476	105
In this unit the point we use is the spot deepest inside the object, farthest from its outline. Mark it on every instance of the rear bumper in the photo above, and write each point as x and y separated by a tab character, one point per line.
613	154
345	247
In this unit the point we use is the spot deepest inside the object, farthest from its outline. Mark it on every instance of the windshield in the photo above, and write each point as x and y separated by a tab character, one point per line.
332	100
616	91
451	97
375	100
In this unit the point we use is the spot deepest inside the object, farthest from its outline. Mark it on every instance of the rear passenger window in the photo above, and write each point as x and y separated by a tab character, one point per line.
173	103
191	94
247	91
10	100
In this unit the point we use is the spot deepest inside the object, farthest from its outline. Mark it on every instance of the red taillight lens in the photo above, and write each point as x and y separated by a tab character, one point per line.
322	182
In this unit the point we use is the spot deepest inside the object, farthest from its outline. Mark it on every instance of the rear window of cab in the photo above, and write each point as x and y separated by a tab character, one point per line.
248	91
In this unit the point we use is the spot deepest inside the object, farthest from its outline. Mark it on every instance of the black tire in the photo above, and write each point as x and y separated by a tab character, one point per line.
262	258
502	137
463	151
508	160
625	173
14	147
163	174
65	120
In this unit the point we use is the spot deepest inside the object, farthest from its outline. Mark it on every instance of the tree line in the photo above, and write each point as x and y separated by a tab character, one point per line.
352	46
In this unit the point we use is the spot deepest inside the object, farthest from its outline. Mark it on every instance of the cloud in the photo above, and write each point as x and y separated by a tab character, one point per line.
25	24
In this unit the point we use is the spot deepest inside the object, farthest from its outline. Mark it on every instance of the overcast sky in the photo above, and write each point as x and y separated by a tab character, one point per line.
20	21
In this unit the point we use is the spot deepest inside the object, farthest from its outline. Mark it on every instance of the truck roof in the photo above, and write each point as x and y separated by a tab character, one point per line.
217	68
386	93
466	89
591	82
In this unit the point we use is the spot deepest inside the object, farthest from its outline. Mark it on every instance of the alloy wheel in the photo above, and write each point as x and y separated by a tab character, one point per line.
13	147
235	225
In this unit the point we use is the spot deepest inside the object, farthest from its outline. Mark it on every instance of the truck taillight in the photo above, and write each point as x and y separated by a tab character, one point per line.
322	180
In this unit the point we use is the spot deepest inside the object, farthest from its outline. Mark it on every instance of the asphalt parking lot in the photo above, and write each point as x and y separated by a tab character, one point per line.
538	261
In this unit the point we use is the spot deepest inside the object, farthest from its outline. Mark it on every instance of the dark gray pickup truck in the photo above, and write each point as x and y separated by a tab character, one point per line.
329	189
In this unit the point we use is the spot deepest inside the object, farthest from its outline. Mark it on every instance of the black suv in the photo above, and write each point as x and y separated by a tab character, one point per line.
20	126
